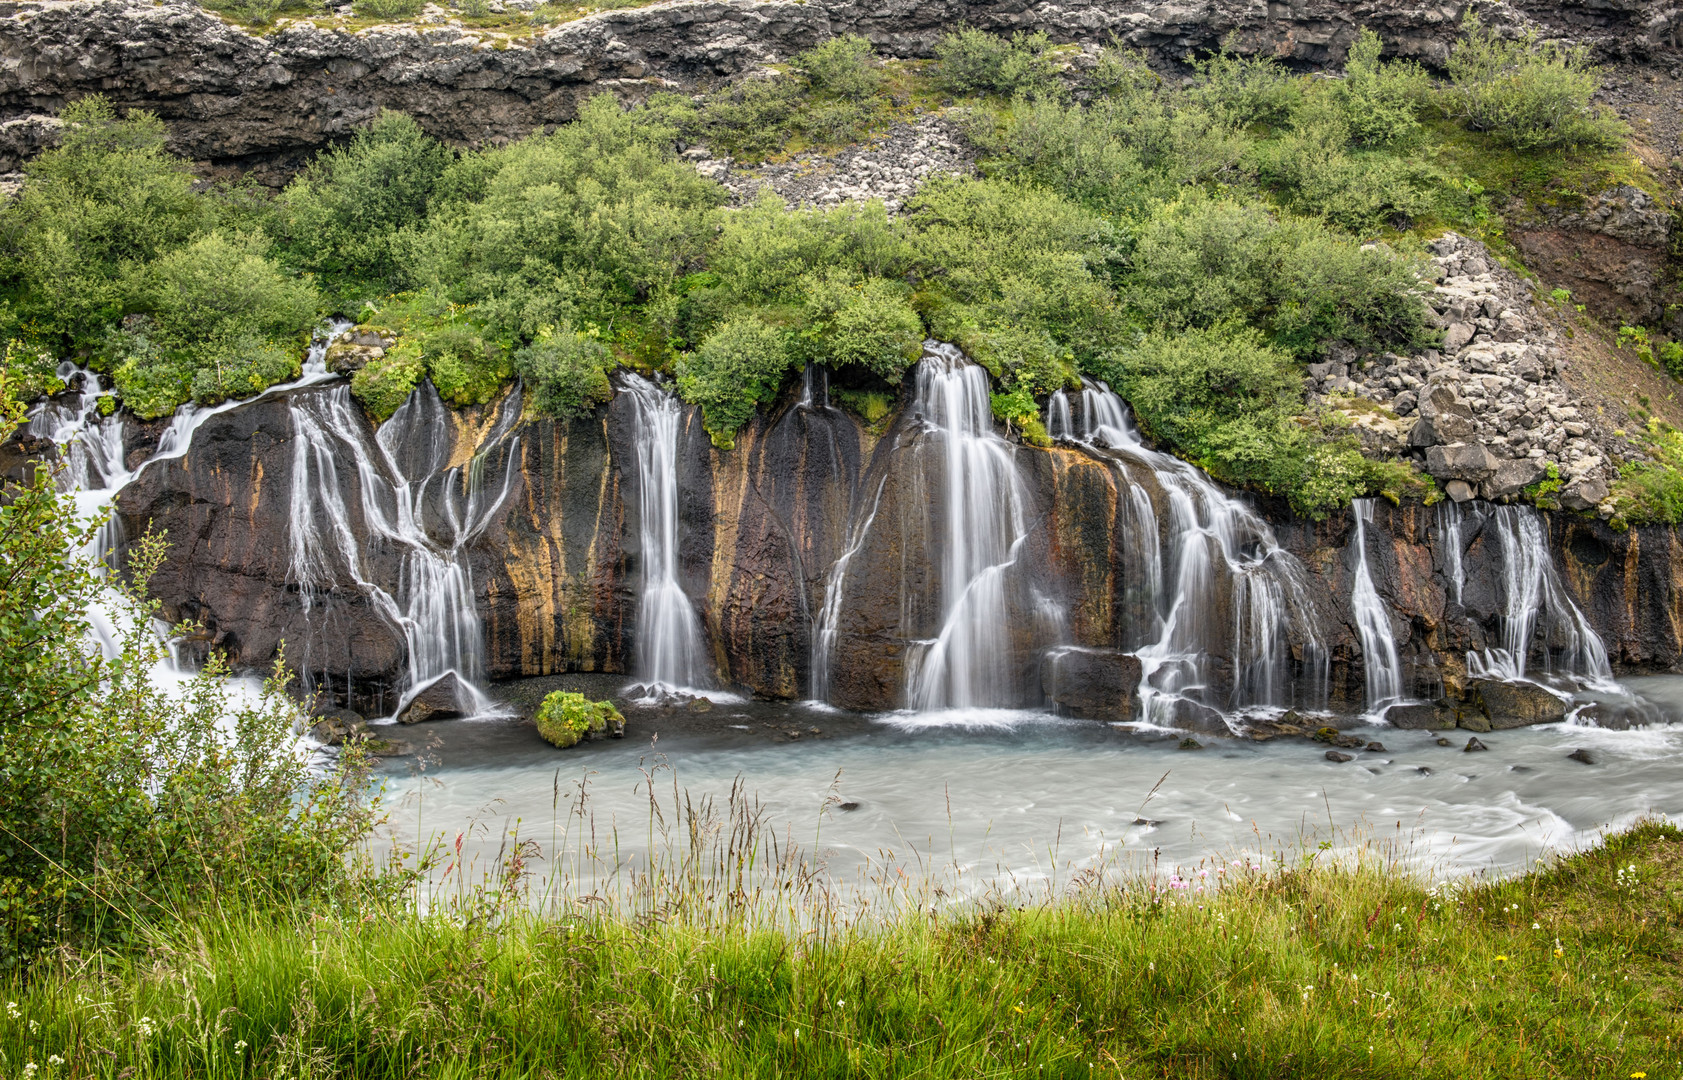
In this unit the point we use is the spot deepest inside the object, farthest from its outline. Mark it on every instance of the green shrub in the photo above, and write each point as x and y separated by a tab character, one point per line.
1242	90
464	367
843	66
1200	262
1671	358
565	373
564	718
347	212
1122	72
1380	102
224	315
753	120
1528	94
972	61
998	256
387	9
573	226
739	366
107	199
1312	171
866	322
385	384
767	254
124	801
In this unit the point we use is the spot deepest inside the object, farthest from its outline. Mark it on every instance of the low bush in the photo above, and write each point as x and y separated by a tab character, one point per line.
124	801
387	9
740	366
844	67
1202	262
972	61
348	211
565	373
1529	94
866	322
1381	102
1243	90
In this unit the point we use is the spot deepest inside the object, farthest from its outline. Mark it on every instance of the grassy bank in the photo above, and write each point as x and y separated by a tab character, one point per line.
1311	970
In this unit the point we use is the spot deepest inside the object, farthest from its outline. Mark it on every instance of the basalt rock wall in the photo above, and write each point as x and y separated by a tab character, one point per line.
556	569
235	97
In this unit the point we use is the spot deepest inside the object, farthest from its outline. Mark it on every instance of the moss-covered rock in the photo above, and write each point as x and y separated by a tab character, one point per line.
565	718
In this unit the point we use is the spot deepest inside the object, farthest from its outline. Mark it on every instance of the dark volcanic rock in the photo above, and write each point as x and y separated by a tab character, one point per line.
441	699
1510	705
1096	684
238	97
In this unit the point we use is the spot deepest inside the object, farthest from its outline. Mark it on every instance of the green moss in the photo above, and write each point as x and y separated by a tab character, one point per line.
565	718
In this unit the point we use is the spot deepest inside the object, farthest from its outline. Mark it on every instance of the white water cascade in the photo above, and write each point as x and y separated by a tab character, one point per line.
354	497
671	651
1450	520
983	508
1534	603
1214	578
92	447
1373	623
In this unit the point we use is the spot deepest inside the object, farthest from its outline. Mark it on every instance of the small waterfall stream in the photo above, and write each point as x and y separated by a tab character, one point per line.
671	651
1213	581
983	521
1534	603
428	512
1373	623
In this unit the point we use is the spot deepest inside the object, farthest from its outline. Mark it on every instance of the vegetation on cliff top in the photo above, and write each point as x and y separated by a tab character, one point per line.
1114	213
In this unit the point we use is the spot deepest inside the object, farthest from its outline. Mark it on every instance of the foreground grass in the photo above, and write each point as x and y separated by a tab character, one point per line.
1311	971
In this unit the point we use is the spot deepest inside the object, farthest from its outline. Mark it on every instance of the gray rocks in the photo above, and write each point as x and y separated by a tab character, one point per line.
1584	493
1421	716
1334	755
1581	756
891	168
1514	476
1474	746
1460	461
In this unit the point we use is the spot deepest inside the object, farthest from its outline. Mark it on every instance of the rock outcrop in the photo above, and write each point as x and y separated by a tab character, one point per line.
242	98
555	569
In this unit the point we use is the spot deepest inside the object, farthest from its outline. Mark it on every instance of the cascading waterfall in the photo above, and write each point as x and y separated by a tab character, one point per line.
1176	580
1373	623
671	650
1450	520
1535	603
829	616
983	523
434	604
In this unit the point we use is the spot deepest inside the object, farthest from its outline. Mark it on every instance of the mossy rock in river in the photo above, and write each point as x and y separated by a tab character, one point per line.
565	717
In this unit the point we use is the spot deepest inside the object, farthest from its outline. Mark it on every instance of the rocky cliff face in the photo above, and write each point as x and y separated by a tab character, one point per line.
235	97
555	568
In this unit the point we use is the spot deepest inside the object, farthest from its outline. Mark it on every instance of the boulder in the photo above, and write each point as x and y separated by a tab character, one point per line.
1583	494
440	699
1334	755
334	726
346	359
1096	684
1514	476
1509	705
1621	714
1460	461
1457	335
1458	491
1445	427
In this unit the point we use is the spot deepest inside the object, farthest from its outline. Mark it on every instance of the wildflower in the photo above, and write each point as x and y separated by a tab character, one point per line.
1638	1076
1536	926
55	1061
1396	926
29	1070
1018	1009
12	1010
1500	959
240	1046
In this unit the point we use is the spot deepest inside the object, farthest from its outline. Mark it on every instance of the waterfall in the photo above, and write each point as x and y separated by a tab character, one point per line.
1214	582
1450	521
1373	623
982	524
342	479
824	635
815	387
1534	599
671	651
